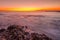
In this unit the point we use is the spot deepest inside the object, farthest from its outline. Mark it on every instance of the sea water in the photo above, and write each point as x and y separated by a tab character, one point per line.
40	22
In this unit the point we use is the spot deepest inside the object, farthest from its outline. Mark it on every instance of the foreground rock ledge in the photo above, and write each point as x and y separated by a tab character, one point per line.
16	32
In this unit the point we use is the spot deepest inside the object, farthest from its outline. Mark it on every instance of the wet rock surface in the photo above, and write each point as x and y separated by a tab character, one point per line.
16	32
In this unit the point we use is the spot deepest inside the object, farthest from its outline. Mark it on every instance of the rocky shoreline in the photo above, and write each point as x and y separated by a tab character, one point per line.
16	32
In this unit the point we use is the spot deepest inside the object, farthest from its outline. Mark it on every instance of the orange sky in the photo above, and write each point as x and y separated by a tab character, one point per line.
29	5
28	9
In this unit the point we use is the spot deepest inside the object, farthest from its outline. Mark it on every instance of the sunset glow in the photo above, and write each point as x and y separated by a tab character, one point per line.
27	9
24	9
20	9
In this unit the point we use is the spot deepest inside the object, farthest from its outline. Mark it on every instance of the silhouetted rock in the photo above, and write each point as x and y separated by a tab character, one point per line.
11	27
2	30
15	32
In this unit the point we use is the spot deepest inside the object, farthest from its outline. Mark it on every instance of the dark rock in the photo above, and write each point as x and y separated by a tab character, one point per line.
2	30
15	32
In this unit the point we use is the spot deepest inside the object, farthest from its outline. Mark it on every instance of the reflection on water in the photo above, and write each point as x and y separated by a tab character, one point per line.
45	22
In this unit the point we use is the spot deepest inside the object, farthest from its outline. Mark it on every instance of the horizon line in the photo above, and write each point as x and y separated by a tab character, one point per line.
29	9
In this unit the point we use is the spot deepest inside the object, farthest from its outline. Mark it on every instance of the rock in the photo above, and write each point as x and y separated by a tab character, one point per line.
2	30
15	32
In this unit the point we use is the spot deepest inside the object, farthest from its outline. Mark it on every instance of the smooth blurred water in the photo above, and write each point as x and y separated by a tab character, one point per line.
41	22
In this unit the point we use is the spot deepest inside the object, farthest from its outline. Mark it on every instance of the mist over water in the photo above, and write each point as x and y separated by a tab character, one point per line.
40	22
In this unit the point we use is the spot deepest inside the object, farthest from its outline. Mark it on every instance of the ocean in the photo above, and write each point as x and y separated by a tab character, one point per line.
40	22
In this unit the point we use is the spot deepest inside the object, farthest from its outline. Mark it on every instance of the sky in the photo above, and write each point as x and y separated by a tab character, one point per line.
29	3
